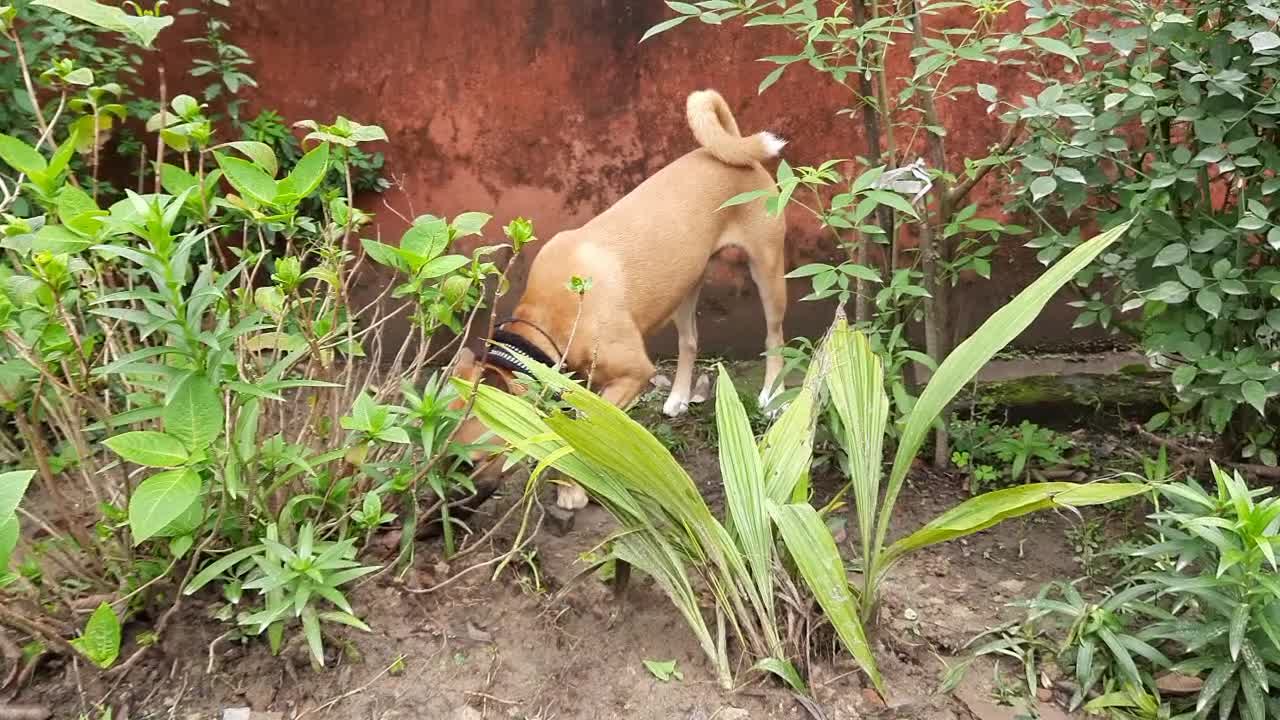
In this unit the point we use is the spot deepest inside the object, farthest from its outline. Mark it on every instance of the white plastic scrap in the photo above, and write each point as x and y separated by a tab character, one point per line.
911	180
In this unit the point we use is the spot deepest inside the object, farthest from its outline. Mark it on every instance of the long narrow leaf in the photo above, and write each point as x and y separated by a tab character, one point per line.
967	359
814	551
787	448
743	477
856	382
981	512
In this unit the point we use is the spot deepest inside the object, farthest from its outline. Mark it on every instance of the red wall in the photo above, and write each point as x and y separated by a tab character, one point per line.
552	109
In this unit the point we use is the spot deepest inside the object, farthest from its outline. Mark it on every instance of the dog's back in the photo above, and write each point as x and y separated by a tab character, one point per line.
652	246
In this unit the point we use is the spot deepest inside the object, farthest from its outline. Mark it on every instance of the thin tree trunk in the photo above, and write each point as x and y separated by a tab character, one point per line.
871	127
934	250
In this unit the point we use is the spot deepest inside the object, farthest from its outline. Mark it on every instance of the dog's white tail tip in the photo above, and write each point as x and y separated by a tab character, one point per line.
773	144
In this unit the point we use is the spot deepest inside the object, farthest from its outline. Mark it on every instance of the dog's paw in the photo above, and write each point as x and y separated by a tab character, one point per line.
764	399
675	406
571	496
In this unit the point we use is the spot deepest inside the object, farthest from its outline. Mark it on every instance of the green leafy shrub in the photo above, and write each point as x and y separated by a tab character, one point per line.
1167	113
995	455
1198	606
186	377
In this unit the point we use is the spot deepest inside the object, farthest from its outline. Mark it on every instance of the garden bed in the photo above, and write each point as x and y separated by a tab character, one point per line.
545	642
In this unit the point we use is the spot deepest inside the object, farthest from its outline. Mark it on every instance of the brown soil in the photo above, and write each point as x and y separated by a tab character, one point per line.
542	645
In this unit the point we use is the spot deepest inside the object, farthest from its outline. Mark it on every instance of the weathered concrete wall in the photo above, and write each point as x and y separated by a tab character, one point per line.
551	109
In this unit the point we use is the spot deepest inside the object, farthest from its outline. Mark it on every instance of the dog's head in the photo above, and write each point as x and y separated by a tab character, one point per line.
471	370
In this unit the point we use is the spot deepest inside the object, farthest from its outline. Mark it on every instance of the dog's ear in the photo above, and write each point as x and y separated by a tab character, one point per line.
466	367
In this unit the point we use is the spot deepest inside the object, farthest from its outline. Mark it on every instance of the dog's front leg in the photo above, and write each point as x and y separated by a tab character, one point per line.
621	392
685	320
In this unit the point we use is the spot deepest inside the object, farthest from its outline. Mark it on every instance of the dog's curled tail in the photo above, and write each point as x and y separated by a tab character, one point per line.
715	129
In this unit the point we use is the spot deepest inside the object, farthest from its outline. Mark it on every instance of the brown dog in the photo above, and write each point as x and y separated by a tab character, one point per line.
645	258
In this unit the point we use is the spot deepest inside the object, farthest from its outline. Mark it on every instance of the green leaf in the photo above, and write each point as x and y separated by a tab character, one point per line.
815	554
1209	301
744	198
855	379
664	26
787	447
175	180
784	670
58	239
1069	174
1171	255
248	179
894	201
309	172
311	630
664	670
1170	291
100	641
427	238
1055	46
471	223
987	92
1042	186
1263	41
1239	626
142	29
1256	395
443	266
343	618
1037	163
9	532
219	566
194	415
984	511
21	156
1122	657
1214	683
383	254
742	474
161	499
13	485
148	448
770	79
260	153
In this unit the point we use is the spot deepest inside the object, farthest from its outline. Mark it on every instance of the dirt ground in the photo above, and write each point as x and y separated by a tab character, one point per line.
537	644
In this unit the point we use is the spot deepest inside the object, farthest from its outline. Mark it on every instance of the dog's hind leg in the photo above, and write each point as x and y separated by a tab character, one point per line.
768	273
686	321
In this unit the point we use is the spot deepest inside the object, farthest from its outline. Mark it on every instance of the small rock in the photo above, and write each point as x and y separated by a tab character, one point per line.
1178	684
476	634
466	712
240	713
872	697
560	520
660	381
1011	586
701	389
733	713
389	540
1044	694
